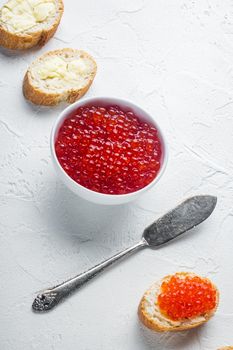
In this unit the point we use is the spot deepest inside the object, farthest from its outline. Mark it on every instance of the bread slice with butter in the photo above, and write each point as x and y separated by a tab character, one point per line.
153	318
60	75
28	23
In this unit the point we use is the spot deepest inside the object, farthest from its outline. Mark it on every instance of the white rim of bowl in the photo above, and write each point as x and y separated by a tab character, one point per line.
128	103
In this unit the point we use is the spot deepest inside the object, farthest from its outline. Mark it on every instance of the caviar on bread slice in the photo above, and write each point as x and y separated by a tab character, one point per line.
60	75
178	302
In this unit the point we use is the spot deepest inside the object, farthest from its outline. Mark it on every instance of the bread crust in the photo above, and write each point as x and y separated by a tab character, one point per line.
23	41
226	348
40	97
154	325
36	95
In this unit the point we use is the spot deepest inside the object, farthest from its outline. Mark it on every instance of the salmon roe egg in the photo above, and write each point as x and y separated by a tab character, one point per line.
108	149
186	297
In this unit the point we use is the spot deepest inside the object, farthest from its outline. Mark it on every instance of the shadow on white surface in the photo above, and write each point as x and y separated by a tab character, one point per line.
113	227
73	216
18	53
43	111
167	340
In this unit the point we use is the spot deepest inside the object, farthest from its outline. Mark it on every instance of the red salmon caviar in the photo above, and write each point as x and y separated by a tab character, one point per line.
186	296
108	150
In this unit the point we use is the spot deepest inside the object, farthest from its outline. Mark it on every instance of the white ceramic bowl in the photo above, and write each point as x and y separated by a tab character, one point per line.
84	192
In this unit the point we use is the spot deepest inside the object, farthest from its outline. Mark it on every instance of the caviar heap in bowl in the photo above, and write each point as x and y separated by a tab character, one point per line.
107	150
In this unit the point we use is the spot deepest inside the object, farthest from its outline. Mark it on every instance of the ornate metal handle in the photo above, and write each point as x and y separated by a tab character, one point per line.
49	298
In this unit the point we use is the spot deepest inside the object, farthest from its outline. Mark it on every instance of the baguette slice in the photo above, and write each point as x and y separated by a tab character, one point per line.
28	23
151	316
60	75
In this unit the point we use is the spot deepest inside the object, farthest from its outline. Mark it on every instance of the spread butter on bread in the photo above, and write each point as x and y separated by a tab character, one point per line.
60	75
28	23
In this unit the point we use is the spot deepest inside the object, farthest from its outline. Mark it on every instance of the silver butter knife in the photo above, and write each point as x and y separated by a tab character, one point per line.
185	216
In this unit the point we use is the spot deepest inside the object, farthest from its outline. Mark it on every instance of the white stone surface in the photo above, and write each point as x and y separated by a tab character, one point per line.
174	58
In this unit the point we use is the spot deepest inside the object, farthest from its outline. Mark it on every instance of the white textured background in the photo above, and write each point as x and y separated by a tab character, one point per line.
174	58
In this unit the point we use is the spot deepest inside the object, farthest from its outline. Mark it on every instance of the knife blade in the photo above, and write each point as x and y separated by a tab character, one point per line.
184	217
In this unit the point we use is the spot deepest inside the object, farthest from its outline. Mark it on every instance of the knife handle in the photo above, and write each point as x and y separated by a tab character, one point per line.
49	298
